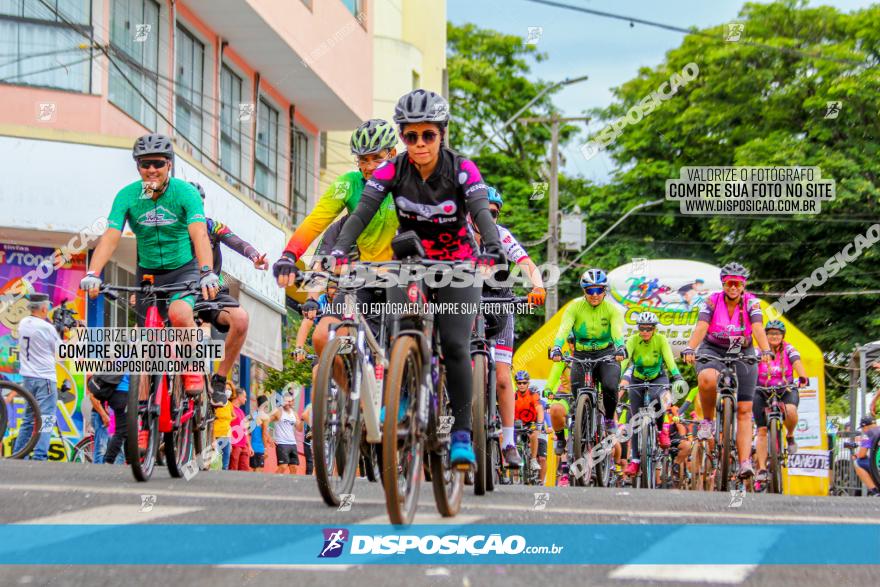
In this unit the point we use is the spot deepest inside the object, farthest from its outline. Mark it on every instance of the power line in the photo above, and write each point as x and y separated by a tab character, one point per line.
697	32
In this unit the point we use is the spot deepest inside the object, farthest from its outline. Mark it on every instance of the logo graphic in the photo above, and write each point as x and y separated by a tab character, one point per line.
142	31
639	266
445	426
734	31
48	423
440	111
159	216
147	503
832	109
47	111
736	498
345	501
446	207
539	189
191	468
245	112
590	149
340	190
334	539
541	500
534	35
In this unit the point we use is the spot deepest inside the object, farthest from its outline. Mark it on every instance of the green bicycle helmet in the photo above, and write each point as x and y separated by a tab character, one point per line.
373	136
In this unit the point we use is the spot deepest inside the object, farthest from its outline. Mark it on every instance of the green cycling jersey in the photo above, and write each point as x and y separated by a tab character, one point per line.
645	359
161	226
594	327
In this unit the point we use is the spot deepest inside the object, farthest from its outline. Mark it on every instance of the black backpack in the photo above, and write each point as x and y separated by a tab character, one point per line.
103	386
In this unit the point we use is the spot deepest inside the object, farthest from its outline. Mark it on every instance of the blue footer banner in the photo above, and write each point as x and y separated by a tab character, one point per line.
560	544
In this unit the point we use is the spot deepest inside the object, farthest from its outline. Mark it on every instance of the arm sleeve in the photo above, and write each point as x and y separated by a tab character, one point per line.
669	359
325	212
328	241
706	310
118	212
231	240
755	312
512	248
476	196
565	325
375	191
616	326
630	345
793	354
555	375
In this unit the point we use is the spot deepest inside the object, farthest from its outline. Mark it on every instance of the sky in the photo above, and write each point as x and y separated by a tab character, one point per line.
609	51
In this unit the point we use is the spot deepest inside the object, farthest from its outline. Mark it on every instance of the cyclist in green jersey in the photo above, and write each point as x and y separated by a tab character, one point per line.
558	407
597	327
167	217
648	353
372	144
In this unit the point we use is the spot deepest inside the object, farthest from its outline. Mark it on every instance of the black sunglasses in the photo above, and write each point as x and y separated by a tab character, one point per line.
646	328
155	163
494	213
411	138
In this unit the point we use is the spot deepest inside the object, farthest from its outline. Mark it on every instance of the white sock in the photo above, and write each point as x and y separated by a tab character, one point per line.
506	436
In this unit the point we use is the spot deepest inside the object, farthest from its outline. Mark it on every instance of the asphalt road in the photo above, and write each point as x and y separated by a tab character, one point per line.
67	493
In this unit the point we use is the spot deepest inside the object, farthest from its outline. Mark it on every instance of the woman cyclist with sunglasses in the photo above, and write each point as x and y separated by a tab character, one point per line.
434	190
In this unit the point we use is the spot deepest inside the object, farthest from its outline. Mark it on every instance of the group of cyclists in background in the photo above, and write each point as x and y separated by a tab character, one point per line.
735	426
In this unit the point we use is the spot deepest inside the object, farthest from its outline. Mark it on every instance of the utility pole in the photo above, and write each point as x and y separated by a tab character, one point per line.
555	120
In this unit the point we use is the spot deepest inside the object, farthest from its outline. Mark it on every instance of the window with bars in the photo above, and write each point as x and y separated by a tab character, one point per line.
41	43
302	175
134	48
266	161
230	122
188	87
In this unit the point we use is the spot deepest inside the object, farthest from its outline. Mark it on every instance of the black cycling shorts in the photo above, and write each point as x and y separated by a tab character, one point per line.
258	461
211	316
760	404
542	447
286	454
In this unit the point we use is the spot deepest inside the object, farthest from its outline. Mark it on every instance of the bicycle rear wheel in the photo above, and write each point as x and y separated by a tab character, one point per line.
493	464
336	430
647	472
774	465
179	442
402	442
448	483
727	442
874	457
479	423
142	440
21	395
582	437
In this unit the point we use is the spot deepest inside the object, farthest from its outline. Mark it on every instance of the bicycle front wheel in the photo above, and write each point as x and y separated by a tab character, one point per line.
582	437
480	423
402	441
179	442
142	440
14	393
448	482
774	464
336	430
727	442
83	450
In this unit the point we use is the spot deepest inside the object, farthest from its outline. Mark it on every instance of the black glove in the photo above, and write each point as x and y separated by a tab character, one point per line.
309	306
620	352
492	255
556	352
285	265
686	352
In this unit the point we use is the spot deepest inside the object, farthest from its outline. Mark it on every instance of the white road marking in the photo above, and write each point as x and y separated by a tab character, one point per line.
426	518
111	514
759	540
268	567
728	574
472	505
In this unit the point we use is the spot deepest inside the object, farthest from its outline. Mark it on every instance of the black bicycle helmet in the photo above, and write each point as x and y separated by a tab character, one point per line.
153	144
421	106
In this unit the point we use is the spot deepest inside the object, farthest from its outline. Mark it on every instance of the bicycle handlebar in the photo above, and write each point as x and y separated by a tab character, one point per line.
111	290
728	360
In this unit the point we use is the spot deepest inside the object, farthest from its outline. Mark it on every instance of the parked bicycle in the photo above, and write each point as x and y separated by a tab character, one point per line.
15	400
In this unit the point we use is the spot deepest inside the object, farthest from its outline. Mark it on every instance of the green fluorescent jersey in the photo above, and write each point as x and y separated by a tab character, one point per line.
161	226
645	359
594	328
555	375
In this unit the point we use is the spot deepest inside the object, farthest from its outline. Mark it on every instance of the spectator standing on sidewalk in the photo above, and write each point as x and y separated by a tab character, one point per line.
286	424
260	435
222	426
240	435
38	340
118	402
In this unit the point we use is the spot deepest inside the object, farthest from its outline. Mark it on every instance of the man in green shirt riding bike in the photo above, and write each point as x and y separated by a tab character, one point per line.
167	217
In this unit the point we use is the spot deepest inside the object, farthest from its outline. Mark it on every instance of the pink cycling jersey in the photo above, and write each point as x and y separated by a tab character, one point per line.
780	370
726	330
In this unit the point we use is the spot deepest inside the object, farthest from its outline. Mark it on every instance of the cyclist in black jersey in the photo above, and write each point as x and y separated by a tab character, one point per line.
434	190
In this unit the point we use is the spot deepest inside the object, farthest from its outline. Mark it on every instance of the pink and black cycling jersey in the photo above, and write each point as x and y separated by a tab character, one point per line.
726	330
779	371
435	208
